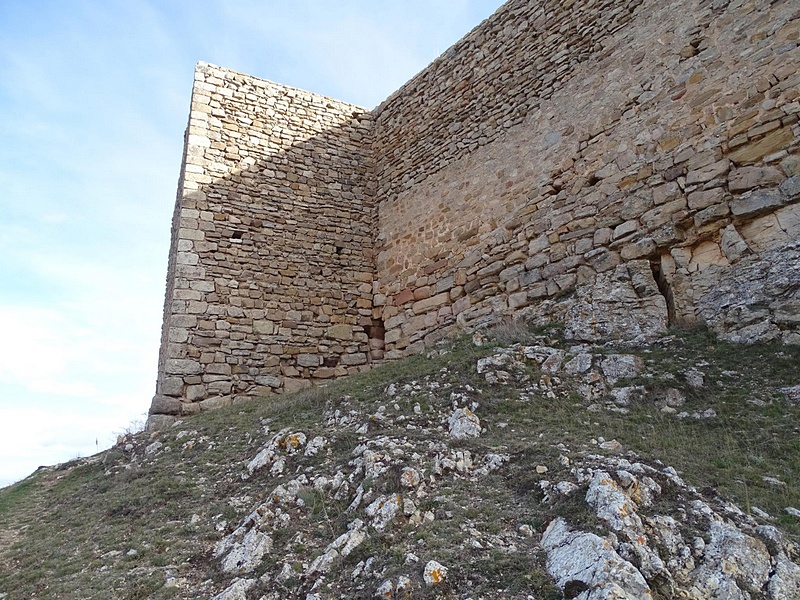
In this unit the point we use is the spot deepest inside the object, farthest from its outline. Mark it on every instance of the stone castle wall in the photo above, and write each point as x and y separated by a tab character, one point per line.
558	150
271	266
614	165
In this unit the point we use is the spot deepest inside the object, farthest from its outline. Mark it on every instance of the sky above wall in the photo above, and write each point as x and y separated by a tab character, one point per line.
94	99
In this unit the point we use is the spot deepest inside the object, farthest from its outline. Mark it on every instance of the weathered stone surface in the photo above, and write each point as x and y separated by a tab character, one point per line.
611	307
708	172
576	556
791	187
747	178
733	564
215	403
732	244
463	423
309	360
746	301
165	405
237	590
340	332
172	386
183	366
263	327
243	550
758	149
618	366
704	198
434	573
757	201
158	421
268	380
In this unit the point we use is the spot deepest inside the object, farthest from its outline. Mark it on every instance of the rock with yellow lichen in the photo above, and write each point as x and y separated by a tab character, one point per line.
434	573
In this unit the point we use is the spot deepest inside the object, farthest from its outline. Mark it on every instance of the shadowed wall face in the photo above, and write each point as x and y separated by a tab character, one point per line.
271	266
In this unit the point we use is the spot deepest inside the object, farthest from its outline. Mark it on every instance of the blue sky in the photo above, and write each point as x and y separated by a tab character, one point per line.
94	98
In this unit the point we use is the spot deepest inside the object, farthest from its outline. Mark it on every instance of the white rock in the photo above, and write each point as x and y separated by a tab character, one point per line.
403	587
625	395
732	558
293	442
617	366
245	553
584	557
582	363
611	446
463	423
277	467
237	590
314	446
385	590
612	504
492	462
263	458
383	509
340	547
694	378
434	573
773	481
565	488
785	582
286	573
490	363
410	477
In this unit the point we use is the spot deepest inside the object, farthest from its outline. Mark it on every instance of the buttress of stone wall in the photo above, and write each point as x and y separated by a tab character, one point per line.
617	178
271	265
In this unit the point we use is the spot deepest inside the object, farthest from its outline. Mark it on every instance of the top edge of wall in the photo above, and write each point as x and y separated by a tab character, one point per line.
202	66
451	51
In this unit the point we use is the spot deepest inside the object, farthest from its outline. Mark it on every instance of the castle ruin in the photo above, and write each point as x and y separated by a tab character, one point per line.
617	166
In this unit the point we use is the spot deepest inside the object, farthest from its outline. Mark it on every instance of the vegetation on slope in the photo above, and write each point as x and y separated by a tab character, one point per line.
144	519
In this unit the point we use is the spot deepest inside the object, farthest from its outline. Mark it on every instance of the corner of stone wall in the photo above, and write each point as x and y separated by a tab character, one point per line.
270	277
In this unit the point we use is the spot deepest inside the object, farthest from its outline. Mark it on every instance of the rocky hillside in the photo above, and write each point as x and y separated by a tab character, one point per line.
508	465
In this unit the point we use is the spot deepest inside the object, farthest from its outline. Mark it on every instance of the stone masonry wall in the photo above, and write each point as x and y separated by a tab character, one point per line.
271	266
617	166
659	162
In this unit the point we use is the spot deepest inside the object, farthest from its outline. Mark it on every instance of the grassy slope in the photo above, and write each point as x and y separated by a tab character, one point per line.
120	524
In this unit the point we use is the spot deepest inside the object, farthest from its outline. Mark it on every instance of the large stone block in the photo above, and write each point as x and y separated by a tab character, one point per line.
164	405
309	360
747	178
756	201
215	403
268	380
340	331
431	303
708	172
183	366
172	386
756	150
